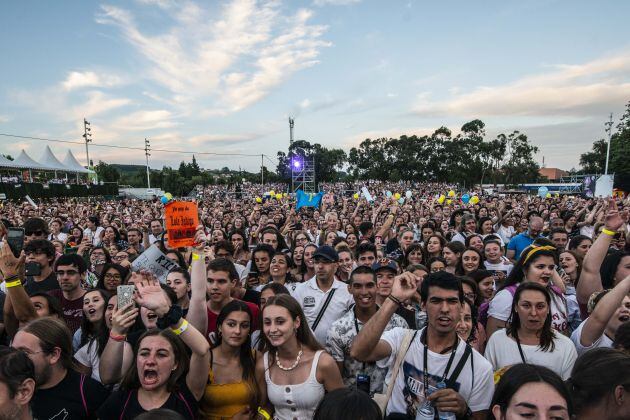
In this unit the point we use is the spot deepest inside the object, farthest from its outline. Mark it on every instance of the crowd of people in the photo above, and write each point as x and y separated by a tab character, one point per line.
406	306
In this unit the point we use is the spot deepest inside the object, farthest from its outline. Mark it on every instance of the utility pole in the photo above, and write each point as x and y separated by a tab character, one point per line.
147	148
262	170
87	135
609	131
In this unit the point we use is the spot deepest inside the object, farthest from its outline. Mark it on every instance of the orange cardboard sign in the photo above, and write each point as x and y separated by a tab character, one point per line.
182	219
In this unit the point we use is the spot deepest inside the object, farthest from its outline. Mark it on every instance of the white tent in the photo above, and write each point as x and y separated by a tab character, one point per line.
24	161
50	161
73	164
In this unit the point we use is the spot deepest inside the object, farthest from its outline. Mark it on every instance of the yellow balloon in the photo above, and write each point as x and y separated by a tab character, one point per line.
284	195
356	196
451	193
397	196
441	199
449	201
474	199
272	193
548	195
278	196
258	200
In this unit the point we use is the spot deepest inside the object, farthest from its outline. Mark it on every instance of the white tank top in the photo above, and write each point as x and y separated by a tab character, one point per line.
295	402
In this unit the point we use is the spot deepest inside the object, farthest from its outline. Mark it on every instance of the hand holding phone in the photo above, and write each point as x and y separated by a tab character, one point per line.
124	294
15	239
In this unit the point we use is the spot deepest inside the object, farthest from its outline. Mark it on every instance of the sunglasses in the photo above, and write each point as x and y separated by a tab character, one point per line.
35	232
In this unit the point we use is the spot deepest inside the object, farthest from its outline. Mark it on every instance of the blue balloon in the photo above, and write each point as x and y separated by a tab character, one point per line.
388	194
164	200
465	198
542	192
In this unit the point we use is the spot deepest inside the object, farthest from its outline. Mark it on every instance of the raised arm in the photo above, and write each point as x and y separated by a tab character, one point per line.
367	345
595	325
590	279
17	303
117	355
199	360
197	309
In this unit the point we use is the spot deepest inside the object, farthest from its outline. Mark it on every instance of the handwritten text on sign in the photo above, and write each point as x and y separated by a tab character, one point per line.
182	219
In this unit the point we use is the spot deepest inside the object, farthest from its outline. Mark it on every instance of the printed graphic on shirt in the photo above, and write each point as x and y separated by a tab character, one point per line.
414	394
309	302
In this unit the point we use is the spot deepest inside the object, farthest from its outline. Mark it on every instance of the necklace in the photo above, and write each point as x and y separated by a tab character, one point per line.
297	361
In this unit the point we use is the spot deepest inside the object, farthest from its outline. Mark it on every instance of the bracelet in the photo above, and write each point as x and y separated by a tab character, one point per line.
11	278
116	337
609	232
264	413
195	256
13	283
181	329
395	300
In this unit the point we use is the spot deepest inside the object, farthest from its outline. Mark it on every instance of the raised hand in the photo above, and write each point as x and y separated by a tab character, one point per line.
123	318
404	286
614	219
149	294
9	264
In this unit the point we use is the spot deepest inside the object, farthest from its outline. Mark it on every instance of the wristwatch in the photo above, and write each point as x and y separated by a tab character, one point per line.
172	317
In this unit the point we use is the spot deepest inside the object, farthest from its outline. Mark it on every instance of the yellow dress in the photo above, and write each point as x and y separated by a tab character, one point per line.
222	401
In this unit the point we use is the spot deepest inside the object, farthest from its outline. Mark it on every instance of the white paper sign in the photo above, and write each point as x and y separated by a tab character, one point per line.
154	261
367	194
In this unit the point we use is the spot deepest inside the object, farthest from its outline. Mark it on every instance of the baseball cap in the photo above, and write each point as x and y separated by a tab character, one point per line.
385	263
326	252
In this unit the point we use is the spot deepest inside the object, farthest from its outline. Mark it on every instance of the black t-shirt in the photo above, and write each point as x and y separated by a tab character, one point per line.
46	285
66	400
408	315
123	404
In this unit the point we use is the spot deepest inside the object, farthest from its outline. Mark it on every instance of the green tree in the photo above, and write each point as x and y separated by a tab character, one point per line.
594	162
9	157
520	166
106	173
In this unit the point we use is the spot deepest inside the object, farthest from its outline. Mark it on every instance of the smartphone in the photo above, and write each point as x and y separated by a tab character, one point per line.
124	294
32	269
298	226
15	239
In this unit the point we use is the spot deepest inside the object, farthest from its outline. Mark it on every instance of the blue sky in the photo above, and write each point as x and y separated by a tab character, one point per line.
224	76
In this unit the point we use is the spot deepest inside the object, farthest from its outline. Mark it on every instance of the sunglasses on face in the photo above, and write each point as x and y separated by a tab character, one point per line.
34	233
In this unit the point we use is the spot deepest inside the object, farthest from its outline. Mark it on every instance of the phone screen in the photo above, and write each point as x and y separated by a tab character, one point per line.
15	239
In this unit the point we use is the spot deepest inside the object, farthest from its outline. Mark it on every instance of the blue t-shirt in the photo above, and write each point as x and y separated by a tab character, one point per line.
519	242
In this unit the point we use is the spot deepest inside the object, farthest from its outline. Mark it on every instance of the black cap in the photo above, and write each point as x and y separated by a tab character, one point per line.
326	252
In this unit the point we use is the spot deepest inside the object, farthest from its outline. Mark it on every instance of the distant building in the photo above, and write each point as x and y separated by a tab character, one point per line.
552	174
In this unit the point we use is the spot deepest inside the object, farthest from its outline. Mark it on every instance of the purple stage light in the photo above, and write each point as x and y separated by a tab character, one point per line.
297	164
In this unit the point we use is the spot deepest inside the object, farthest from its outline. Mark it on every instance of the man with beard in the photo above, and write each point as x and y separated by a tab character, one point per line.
17	384
62	392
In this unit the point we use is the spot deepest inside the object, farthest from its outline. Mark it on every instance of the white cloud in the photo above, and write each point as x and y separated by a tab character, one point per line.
214	139
4	118
77	80
353	140
225	64
581	90
97	103
305	103
145	120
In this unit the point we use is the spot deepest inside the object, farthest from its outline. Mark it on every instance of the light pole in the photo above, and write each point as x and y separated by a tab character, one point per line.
87	135
147	154
609	131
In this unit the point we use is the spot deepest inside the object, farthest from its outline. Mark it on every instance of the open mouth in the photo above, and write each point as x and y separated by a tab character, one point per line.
150	376
624	318
151	316
366	299
444	320
91	311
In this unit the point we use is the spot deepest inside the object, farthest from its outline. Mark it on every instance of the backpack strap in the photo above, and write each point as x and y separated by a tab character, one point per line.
467	353
122	413
85	406
181	397
323	309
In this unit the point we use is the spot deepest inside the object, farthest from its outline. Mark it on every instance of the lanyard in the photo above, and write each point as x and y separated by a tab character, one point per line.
356	327
425	340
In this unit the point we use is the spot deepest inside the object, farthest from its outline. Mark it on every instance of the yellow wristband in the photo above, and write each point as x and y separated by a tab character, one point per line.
609	232
264	413
196	257
181	329
14	283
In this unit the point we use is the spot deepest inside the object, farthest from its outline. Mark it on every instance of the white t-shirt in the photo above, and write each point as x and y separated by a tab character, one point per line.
504	232
502	351
501	306
59	237
311	298
475	382
603	341
96	236
88	356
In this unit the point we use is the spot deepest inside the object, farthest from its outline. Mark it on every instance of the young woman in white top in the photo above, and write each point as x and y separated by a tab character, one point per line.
294	372
537	264
529	337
